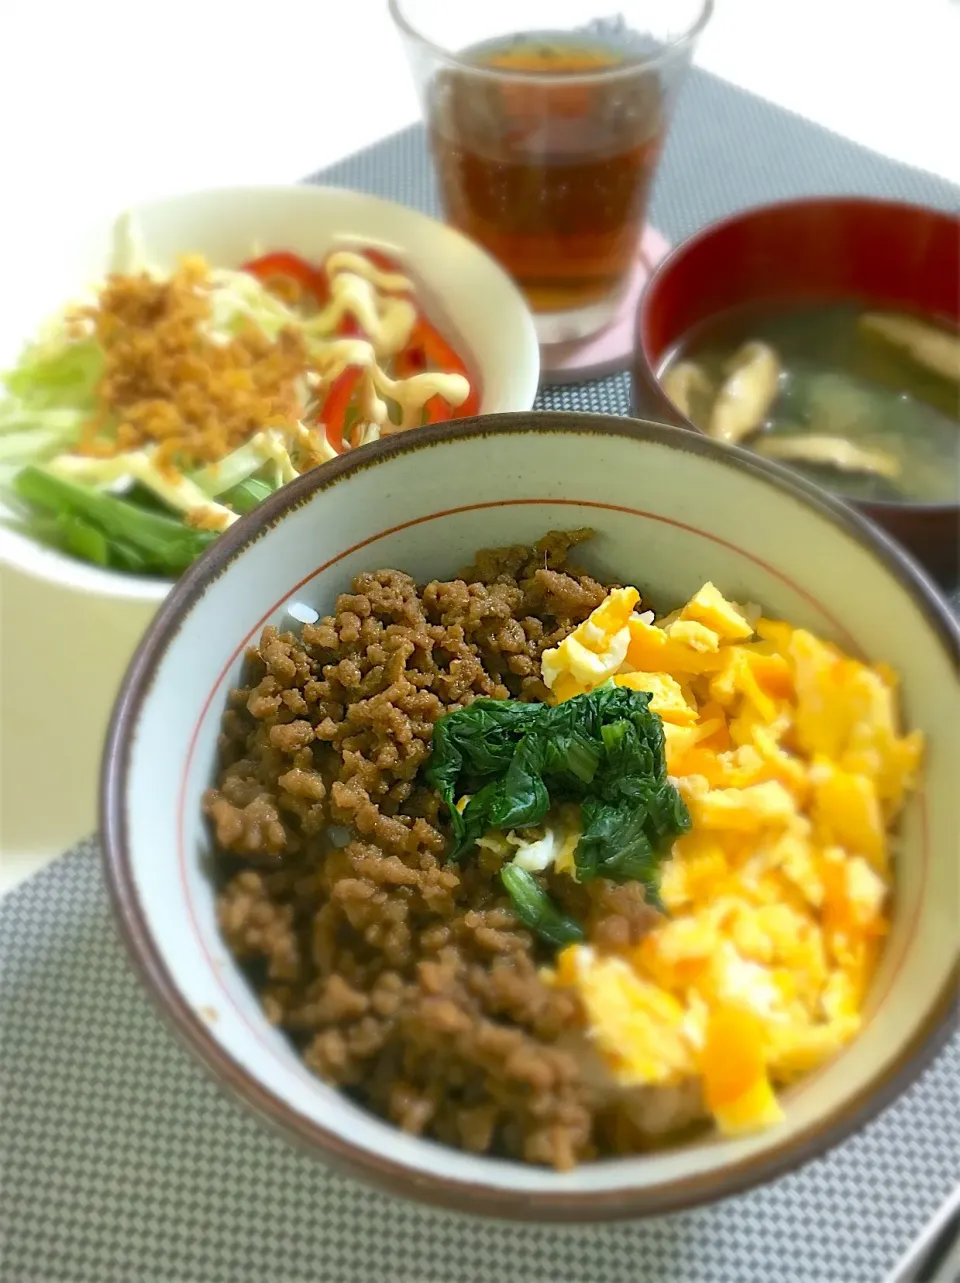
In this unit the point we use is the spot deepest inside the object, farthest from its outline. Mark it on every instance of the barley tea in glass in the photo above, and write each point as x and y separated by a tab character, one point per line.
546	121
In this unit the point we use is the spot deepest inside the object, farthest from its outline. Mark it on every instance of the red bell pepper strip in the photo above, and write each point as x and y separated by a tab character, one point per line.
348	327
338	400
436	410
436	348
382	261
282	263
428	347
412	360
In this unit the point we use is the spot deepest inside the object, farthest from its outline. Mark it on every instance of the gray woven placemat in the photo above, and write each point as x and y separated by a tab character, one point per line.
121	1163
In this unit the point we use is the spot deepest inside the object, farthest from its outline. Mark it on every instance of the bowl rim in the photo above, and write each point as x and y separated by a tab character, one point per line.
28	556
645	369
385	1173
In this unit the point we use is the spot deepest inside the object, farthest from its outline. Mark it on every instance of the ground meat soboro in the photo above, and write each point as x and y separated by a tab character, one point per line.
405	981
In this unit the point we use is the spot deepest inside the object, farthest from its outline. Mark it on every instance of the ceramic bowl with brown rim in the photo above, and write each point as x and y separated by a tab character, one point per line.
884	255
670	510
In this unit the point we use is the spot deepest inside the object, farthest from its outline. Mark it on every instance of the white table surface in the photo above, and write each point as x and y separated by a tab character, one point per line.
103	104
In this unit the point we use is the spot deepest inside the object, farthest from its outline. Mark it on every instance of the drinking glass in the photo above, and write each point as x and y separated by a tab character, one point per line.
546	123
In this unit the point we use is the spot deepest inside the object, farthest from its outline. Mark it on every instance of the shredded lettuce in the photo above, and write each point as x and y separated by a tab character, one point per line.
15	417
238	298
59	372
127	254
31	443
50	394
232	470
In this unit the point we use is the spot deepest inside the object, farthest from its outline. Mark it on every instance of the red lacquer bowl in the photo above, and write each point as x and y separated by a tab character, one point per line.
888	255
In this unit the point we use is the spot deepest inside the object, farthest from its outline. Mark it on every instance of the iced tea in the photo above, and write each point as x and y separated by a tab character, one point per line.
549	164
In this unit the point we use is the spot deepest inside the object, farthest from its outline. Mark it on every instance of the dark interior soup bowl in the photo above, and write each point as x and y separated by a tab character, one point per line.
824	334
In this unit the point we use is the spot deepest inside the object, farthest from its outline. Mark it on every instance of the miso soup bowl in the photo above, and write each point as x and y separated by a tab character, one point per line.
881	253
670	510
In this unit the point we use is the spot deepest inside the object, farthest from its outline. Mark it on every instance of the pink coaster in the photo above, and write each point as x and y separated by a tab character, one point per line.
611	349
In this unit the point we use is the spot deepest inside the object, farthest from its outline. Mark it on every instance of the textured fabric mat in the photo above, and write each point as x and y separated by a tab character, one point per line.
120	1162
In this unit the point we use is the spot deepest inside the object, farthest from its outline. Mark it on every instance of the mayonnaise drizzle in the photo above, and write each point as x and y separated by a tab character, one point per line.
386	319
315	440
345	260
270	445
413	394
136	465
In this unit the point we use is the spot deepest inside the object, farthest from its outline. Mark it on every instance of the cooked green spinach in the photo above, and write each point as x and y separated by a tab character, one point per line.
536	910
604	750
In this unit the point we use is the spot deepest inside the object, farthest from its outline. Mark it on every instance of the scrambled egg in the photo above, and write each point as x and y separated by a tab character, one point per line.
537	849
790	759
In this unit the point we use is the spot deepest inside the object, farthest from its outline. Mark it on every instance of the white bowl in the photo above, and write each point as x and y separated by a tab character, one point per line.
671	509
463	288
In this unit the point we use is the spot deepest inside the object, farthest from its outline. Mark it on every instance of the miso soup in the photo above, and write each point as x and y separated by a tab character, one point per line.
863	401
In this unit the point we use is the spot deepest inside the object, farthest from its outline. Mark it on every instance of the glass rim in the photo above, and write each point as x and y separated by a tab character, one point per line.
671	49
